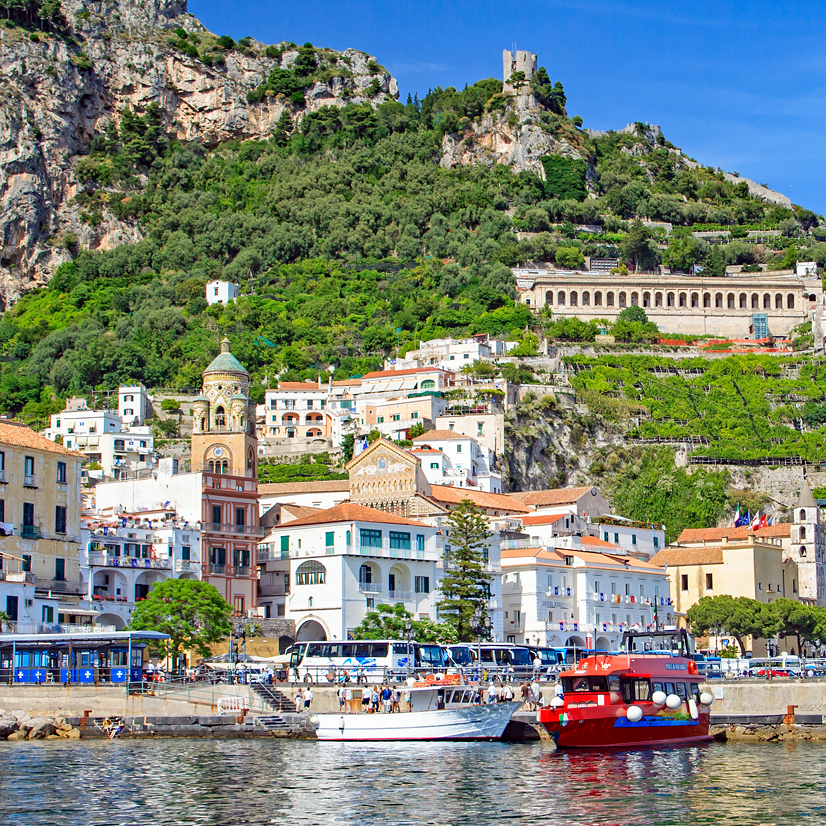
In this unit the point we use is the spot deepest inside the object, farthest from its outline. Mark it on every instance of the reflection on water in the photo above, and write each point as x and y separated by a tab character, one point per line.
294	782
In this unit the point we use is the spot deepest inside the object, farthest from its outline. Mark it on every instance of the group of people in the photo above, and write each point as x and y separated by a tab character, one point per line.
531	694
303	699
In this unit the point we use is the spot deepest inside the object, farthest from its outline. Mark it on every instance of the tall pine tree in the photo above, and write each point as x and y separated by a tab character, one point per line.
466	585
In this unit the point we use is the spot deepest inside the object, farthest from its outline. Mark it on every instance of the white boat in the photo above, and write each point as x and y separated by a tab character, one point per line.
440	711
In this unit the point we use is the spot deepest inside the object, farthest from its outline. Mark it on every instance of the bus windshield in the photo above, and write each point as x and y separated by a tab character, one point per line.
430	655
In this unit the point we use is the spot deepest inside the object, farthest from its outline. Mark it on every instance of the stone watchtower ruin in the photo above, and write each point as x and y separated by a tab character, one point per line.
517	62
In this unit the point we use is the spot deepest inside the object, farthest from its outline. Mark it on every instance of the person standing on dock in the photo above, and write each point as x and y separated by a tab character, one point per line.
308	698
537	667
387	699
342	697
507	693
299	699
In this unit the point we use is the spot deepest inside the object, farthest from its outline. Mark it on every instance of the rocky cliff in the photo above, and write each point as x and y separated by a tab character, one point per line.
64	83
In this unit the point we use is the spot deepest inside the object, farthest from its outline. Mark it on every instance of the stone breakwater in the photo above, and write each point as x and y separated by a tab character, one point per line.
18	725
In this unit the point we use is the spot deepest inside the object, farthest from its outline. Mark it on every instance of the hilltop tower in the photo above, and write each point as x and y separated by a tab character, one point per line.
808	547
223	432
517	62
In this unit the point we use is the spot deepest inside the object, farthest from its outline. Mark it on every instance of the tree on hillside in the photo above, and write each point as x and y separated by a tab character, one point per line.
465	586
387	622
193	613
637	246
739	616
797	620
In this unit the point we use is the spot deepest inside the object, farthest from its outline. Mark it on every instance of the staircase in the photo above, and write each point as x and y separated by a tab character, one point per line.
271	722
272	697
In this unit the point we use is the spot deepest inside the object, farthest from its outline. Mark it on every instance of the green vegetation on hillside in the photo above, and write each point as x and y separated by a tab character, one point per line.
347	239
743	407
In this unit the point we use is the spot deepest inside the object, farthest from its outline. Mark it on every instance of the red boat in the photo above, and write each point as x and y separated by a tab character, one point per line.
647	695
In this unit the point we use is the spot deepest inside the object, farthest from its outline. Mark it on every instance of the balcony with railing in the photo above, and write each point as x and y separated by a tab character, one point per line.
29	480
402	595
60	586
370	587
2	475
30	532
182	565
227	527
55	628
110	561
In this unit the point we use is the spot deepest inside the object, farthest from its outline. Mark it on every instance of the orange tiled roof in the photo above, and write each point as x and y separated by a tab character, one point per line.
299	511
437	435
595	542
542	519
348	512
717	534
555	496
21	436
494	501
688	556
613	560
326	486
302	385
547	554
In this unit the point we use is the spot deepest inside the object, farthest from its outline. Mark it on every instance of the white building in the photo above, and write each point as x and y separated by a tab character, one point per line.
570	595
452	354
487	428
34	612
102	436
122	557
134	404
464	463
640	539
322	495
220	292
343	562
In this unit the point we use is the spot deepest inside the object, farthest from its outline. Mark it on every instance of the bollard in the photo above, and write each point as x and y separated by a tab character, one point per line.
788	717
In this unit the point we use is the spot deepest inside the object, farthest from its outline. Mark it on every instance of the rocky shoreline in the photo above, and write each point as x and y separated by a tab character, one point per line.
18	725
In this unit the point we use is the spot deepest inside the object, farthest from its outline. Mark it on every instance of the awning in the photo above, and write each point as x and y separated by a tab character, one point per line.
77	612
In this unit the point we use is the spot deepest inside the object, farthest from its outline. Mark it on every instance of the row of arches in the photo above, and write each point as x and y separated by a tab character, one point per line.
294	418
622	299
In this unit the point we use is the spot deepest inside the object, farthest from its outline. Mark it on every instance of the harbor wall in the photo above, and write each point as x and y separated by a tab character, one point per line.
767	702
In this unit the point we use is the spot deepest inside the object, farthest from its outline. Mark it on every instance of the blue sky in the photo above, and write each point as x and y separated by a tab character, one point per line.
740	85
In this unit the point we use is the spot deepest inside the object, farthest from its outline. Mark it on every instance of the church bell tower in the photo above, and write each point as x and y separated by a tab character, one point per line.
223	432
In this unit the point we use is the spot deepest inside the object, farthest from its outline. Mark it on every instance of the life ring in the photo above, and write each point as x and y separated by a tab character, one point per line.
692	667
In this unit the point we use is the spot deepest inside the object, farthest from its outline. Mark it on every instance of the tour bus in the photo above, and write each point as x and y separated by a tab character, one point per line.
557	658
497	658
364	660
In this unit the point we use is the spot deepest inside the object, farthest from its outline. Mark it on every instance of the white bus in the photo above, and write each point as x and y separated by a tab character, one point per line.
364	660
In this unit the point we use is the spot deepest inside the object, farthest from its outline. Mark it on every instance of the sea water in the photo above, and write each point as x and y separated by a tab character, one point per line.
174	781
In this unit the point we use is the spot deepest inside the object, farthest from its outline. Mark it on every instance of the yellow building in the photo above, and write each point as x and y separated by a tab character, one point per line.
40	511
752	566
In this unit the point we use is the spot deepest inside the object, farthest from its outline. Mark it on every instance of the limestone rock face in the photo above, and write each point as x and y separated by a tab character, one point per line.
58	92
493	140
41	728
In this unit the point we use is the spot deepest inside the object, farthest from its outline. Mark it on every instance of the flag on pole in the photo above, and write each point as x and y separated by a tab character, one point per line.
737	516
756	522
744	520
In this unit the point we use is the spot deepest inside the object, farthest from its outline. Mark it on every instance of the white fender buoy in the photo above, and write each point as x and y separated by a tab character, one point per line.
314	719
658	698
634	714
692	709
673	701
557	702
706	699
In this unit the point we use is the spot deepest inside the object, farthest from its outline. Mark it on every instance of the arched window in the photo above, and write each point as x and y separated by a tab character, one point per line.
767	301
428	384
730	301
574	299
211	466
622	300
670	299
365	574
695	300
586	299
706	299
203	424
646	299
790	301
220	418
718	300
802	534
778	302
683	300
635	300
310	573
549	297
609	299
528	300
755	301
802	516
743	301
560	299
224	467
658	299
597	299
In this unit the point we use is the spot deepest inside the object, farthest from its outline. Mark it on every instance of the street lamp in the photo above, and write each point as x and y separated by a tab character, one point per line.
480	625
408	635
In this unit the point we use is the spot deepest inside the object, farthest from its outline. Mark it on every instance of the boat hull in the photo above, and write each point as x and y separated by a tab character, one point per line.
582	731
486	722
